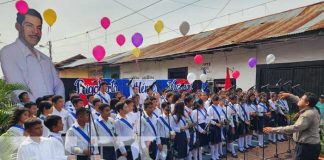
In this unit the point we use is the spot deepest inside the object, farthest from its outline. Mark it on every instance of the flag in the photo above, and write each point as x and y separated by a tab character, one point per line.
228	84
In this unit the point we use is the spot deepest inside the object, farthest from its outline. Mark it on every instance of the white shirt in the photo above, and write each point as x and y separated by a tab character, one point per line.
104	135
20	65
261	109
123	131
202	117
45	149
45	129
177	125
142	96
68	105
207	104
133	118
64	114
147	131
58	143
71	118
17	136
187	112
157	112
75	143
106	97
163	130
212	112
283	105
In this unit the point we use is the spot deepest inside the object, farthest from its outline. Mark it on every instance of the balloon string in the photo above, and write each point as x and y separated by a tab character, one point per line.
137	65
106	36
159	37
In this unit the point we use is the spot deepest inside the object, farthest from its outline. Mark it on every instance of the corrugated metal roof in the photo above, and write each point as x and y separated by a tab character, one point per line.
281	24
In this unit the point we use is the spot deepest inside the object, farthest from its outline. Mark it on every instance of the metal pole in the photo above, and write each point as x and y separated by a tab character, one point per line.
50	49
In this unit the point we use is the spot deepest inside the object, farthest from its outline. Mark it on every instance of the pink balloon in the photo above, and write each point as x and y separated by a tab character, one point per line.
236	74
120	39
105	22
22	7
98	53
198	59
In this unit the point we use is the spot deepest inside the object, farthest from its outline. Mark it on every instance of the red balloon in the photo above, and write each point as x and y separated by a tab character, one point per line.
198	59
236	74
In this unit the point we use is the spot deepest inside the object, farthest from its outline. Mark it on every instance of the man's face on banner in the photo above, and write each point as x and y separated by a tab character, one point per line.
136	90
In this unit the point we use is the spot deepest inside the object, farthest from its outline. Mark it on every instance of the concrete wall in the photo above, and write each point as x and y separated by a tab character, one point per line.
81	72
293	51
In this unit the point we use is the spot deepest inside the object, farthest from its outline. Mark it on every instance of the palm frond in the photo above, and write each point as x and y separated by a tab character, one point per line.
6	105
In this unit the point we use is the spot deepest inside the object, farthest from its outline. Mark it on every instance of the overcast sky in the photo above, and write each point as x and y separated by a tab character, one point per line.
76	17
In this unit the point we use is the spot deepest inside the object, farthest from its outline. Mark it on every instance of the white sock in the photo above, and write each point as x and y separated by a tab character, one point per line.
220	148
271	136
249	140
194	154
260	139
212	150
189	155
232	148
216	151
200	153
240	145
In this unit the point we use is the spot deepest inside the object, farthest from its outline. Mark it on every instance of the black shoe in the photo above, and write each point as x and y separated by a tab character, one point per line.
247	148
251	146
234	156
264	146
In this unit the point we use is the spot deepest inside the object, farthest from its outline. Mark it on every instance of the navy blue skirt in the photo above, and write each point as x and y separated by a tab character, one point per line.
215	135
282	120
180	145
192	136
261	124
203	138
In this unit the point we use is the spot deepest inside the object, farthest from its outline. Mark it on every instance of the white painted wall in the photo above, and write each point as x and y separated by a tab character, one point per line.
285	52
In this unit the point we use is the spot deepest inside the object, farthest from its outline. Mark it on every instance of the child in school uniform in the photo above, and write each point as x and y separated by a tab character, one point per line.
165	132
35	146
251	107
107	133
125	132
182	137
215	128
189	102
77	103
78	136
16	130
58	109
232	114
95	110
263	113
55	125
200	117
150	141
44	110
243	130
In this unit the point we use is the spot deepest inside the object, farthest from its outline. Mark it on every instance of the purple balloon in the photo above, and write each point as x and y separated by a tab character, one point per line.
252	62
137	39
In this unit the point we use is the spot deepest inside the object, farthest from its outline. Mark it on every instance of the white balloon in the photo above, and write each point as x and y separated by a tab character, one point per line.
270	59
203	78
191	77
184	28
